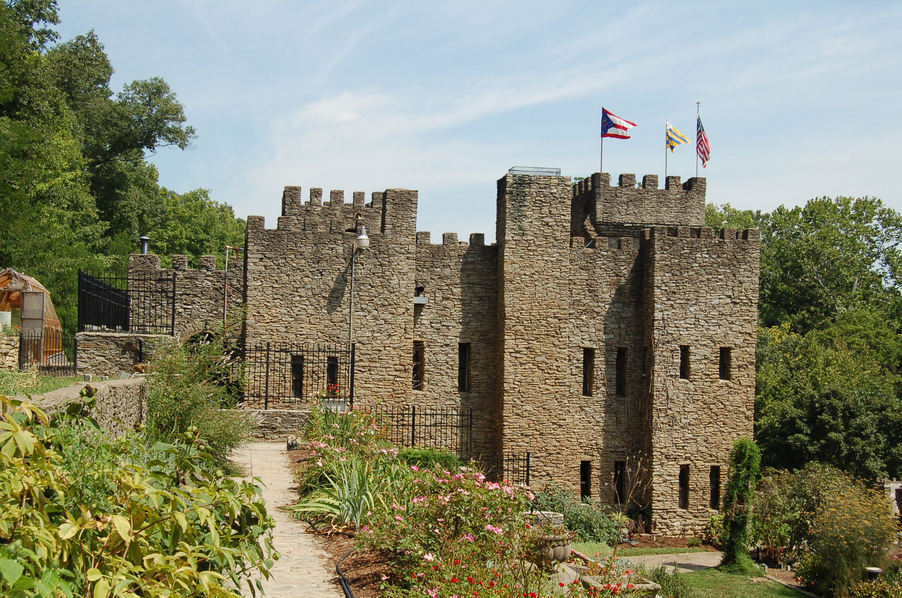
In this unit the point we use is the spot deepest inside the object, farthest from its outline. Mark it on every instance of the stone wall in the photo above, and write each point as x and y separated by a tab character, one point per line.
115	353
279	424
200	293
460	308
297	280
120	404
705	297
9	350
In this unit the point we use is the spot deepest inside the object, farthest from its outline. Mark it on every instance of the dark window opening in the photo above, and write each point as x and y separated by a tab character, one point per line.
585	479
684	361
332	371
684	486
588	371
419	364
725	363
620	378
715	487
619	475
297	376
463	367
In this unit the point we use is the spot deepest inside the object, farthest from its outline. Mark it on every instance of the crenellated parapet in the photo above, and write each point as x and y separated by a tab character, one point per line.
633	204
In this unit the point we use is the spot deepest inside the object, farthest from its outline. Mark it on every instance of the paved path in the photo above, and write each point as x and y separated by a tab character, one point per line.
303	569
683	562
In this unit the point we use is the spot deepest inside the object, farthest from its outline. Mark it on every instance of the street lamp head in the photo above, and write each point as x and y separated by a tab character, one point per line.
362	241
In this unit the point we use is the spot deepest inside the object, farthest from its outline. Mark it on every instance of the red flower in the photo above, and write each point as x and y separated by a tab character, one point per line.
454	580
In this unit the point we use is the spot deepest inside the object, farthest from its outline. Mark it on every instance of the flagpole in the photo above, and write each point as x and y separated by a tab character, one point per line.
665	150
601	159
697	116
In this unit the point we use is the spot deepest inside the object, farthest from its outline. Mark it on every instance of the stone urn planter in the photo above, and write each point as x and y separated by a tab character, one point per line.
552	548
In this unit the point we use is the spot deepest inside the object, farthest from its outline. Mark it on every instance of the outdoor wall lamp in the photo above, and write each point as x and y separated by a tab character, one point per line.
361	243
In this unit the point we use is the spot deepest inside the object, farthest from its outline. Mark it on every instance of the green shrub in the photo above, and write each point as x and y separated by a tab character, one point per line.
713	531
673	585
428	457
590	521
745	468
880	588
149	520
851	531
187	387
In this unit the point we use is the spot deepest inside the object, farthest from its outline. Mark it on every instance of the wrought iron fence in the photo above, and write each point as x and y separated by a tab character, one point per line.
446	429
286	375
511	467
142	302
51	353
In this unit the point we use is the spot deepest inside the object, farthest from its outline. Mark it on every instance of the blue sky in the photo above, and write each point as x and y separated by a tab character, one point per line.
800	99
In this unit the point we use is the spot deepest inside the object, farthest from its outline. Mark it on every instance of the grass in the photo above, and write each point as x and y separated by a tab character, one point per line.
20	383
711	582
589	548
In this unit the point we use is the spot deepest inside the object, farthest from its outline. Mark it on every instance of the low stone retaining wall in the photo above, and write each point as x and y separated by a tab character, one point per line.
278	424
120	404
112	353
9	350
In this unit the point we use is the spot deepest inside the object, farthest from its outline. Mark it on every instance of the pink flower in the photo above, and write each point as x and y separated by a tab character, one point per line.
429	556
468	537
415	468
494	529
399	518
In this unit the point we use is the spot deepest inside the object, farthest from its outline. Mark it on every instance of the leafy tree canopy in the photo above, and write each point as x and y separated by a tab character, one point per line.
76	187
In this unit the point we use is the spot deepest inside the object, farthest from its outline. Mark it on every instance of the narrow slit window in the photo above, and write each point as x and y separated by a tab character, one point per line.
684	486
332	371
585	480
463	367
684	362
620	379
297	376
715	487
726	363
588	371
619	475
419	364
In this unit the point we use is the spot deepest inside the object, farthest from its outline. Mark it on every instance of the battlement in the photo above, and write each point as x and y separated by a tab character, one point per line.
151	263
642	204
702	232
392	208
605	244
424	238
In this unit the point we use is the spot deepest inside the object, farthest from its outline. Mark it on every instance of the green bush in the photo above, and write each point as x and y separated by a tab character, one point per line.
851	531
713	531
745	468
590	521
188	387
673	585
880	588
428	457
84	515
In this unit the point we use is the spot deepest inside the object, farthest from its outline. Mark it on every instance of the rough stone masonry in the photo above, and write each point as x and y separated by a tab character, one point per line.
608	332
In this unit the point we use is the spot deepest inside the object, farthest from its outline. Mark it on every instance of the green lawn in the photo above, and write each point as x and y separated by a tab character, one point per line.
589	548
20	383
711	582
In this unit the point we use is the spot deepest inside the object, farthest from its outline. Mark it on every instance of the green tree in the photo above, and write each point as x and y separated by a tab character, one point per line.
827	397
720	217
745	469
828	257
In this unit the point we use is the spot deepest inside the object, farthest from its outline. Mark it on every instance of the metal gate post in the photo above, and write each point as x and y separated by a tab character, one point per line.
527	468
470	434
172	328
413	425
75	353
266	383
351	390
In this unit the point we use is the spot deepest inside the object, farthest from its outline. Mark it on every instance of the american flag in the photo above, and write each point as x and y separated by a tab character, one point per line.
702	145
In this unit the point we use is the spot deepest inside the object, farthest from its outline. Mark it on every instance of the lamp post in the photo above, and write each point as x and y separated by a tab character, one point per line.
361	243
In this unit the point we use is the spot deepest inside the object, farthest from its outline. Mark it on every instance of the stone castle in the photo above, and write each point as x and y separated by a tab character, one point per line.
608	332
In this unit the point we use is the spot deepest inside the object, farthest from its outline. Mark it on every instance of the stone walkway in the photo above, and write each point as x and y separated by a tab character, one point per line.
304	569
683	562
